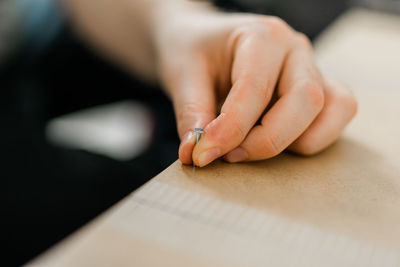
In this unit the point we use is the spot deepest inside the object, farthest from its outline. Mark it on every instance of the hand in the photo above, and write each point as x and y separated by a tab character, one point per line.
273	96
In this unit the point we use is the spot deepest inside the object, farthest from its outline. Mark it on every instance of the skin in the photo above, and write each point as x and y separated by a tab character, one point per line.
249	80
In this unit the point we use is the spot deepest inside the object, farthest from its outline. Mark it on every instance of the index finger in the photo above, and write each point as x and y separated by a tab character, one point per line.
257	63
300	99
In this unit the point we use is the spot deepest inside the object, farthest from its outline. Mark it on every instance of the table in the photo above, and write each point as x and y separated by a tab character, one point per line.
339	208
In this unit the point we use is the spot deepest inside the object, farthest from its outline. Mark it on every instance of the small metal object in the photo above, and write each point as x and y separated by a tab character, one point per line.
198	132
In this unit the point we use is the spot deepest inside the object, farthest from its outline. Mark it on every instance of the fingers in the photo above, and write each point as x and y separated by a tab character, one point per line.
255	70
300	99
194	104
340	107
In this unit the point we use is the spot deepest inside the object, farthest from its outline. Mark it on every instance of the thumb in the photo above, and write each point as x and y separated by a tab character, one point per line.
195	106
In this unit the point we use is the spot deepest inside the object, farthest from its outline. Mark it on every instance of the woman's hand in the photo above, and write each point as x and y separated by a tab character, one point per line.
257	67
262	72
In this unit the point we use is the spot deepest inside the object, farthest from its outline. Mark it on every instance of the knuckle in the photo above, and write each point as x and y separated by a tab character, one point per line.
268	26
276	23
247	82
303	40
277	28
187	110
347	102
237	129
271	146
314	94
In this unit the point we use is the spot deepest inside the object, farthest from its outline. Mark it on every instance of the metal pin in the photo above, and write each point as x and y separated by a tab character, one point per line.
198	132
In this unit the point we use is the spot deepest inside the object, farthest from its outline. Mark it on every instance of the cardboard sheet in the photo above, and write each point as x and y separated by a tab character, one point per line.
339	208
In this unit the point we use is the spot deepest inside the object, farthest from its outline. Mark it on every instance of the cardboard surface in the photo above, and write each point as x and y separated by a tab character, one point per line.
339	208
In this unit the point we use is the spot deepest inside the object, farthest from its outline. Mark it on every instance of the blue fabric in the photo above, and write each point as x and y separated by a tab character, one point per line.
42	20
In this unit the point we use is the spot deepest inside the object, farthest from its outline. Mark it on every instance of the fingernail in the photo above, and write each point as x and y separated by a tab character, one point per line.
236	155
208	156
189	137
186	147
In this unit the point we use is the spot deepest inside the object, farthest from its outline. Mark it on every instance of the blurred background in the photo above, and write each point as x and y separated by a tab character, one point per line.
78	133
